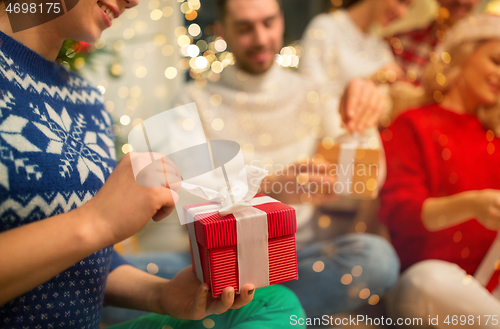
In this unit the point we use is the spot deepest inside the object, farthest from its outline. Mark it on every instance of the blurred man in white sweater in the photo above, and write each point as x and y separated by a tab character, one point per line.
279	118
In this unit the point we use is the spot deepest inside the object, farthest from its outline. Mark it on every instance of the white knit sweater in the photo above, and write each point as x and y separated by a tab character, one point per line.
337	51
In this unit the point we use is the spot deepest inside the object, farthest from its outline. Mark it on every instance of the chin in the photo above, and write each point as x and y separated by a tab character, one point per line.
90	31
265	68
91	37
490	100
258	68
85	34
459	14
387	21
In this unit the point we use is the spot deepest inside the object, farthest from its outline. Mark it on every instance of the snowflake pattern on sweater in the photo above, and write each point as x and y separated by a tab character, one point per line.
56	151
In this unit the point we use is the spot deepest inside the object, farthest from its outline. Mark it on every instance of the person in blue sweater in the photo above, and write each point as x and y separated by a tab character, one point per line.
64	200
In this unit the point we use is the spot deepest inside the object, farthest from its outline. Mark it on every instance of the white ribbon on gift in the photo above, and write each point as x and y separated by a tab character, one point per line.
251	224
347	154
487	267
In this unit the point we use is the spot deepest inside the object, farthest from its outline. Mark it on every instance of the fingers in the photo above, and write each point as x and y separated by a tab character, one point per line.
361	107
494	215
321	189
222	304
370	107
160	173
353	96
141	160
364	104
358	96
380	107
319	166
205	304
164	165
322	181
201	299
493	223
245	296
323	199
372	110
168	163
172	180
168	199
343	107
316	183
150	178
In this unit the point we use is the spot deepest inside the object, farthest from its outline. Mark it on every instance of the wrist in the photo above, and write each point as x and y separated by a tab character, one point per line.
157	303
470	199
95	231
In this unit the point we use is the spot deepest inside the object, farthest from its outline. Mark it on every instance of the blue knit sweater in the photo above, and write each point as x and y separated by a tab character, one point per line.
56	151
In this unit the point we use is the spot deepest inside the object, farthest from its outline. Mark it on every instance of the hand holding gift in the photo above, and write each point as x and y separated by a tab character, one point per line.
184	297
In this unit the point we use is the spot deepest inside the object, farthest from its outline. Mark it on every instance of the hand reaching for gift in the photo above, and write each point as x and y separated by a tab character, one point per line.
302	182
184	297
361	105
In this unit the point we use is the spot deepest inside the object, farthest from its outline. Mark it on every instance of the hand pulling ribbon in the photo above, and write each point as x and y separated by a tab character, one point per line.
488	272
251	226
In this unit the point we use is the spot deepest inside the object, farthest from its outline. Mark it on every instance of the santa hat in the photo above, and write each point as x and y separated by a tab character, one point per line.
472	28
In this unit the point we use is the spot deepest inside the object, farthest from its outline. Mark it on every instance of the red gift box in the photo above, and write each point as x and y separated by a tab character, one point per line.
216	238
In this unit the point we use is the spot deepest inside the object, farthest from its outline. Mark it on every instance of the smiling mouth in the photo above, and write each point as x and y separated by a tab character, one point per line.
107	10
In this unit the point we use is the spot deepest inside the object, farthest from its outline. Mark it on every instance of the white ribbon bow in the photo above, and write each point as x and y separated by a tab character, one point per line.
242	189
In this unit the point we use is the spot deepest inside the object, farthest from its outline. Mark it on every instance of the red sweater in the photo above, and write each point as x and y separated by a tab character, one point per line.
433	152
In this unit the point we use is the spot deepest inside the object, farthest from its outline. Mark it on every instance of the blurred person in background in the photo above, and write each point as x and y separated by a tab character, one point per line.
279	118
339	46
412	49
441	199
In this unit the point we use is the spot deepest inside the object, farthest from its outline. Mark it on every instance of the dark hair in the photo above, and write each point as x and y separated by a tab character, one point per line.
349	3
2	8
222	8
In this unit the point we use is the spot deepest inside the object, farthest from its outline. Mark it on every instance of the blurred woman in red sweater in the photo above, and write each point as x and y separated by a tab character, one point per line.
441	200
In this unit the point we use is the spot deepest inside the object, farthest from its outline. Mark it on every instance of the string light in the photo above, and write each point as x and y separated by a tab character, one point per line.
156	14
125	120
194	29
193	50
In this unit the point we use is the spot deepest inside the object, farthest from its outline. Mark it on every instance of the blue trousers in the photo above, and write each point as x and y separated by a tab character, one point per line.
350	264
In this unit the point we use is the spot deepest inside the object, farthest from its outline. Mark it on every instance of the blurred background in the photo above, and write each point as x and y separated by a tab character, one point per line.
142	61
